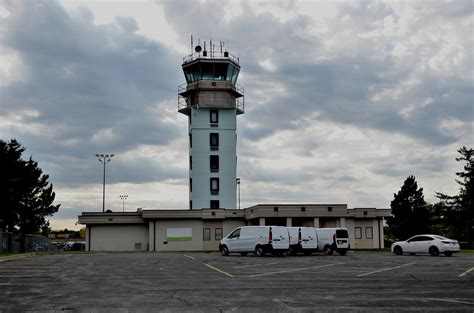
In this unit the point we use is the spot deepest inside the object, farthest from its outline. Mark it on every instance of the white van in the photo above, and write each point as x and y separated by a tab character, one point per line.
257	239
333	239
303	239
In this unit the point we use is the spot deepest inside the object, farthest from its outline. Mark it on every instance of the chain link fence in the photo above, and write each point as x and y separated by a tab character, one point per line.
11	243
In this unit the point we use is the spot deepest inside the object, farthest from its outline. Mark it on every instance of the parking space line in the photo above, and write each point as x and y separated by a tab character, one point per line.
255	265
466	272
295	270
284	305
452	301
385	269
188	256
220	271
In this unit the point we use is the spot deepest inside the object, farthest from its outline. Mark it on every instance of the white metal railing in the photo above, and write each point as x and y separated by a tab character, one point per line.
211	55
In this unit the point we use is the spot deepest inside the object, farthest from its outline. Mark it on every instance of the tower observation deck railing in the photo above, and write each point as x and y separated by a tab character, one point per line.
211	55
217	101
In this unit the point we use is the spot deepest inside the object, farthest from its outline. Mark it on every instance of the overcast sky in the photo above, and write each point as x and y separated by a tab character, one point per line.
343	100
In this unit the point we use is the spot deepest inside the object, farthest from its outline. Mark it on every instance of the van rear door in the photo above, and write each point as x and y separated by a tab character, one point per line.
342	239
309	238
280	238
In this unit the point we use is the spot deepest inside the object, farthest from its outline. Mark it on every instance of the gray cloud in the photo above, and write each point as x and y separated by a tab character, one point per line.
92	88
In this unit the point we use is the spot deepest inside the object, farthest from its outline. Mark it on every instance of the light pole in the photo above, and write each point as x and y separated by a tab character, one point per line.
104	158
123	197
238	187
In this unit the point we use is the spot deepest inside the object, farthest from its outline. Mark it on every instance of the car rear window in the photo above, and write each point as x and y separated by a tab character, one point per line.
342	233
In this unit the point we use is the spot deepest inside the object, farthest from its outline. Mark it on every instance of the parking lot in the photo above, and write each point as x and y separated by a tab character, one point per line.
209	282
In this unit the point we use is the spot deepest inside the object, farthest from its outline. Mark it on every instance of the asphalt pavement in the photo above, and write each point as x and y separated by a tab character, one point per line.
209	282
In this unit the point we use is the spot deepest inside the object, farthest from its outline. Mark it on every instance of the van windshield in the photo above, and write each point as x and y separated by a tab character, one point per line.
342	233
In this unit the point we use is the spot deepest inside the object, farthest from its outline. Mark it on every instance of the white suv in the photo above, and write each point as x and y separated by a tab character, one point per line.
432	244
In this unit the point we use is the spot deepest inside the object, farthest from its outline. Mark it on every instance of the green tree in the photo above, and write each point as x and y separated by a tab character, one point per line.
410	214
457	213
26	195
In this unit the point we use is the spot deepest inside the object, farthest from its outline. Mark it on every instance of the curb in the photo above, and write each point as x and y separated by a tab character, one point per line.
17	256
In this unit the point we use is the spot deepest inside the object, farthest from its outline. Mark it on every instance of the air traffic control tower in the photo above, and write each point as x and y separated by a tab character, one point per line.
212	99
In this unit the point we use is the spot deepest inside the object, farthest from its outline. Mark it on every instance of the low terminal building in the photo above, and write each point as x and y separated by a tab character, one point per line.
201	230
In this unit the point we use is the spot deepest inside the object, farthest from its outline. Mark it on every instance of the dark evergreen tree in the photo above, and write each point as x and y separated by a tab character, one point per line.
458	212
26	195
410	215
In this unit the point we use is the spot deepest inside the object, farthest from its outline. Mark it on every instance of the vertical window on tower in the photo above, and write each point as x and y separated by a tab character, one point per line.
214	116
190	140
190	185
215	204
190	162
214	141
214	186
214	163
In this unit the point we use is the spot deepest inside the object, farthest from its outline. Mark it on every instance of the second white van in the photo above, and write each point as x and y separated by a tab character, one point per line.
256	239
303	239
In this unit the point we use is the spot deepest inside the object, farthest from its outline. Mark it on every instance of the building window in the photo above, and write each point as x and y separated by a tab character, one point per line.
190	140
218	233
215	204
369	233
190	185
275	209
191	205
329	208
358	233
214	186
214	163
190	162
206	234
214	116
214	141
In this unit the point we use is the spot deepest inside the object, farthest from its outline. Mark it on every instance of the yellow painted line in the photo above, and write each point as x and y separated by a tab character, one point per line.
466	272
188	256
385	269
255	265
295	270
220	271
452	301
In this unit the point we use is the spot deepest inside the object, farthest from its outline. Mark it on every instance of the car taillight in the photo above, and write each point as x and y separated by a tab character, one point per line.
270	237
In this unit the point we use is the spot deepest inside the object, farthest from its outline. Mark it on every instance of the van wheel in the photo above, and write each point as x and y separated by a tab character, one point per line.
224	251
433	251
292	251
259	251
307	253
243	253
328	250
